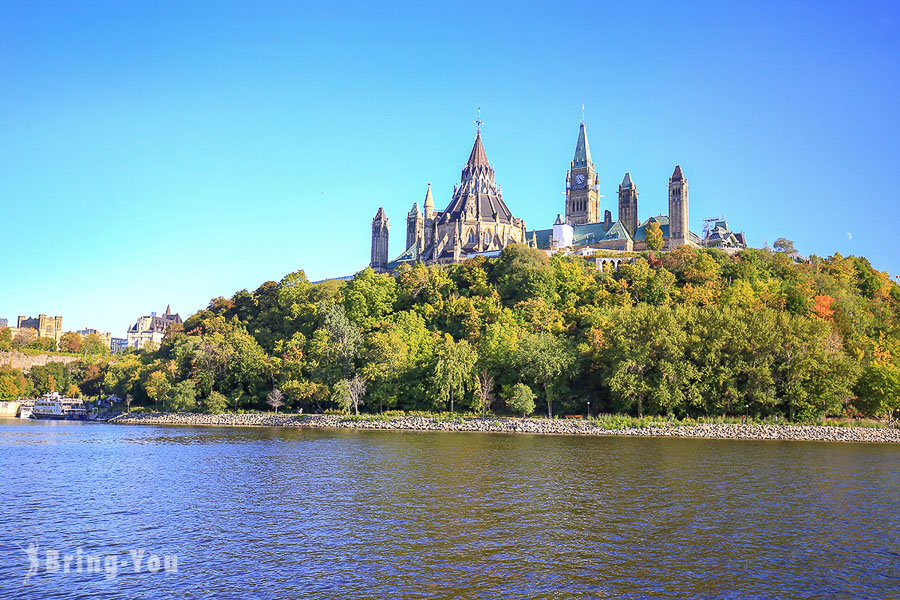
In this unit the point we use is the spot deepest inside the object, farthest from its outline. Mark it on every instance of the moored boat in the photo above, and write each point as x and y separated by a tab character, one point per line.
54	406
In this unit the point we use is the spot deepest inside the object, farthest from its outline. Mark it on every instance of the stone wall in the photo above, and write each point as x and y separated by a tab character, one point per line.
532	426
20	360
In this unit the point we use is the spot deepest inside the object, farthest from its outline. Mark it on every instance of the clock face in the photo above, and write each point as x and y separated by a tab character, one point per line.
579	179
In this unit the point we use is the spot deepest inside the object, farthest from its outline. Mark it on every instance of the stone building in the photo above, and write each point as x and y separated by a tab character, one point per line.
476	221
151	329
47	327
583	224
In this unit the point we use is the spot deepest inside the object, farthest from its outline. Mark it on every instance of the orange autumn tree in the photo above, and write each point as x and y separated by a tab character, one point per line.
822	308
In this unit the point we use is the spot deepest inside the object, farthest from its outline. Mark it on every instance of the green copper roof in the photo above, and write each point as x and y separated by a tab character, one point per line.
582	149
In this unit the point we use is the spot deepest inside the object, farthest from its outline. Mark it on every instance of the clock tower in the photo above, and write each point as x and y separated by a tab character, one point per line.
582	185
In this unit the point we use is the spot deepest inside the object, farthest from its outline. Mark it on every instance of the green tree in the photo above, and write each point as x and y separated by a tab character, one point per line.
13	384
784	245
94	345
348	393
521	399
6	338
544	359
158	385
183	396
454	370
215	403
878	389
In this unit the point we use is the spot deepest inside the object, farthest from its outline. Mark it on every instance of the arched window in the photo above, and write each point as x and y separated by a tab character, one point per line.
487	237
471	238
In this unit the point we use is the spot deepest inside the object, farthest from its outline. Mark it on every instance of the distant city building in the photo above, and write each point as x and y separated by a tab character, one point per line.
717	234
151	328
47	327
117	345
103	335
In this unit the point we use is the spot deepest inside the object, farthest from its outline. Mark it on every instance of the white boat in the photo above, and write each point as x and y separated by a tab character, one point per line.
26	412
54	406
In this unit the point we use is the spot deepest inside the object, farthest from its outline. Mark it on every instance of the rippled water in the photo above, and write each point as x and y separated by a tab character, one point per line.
366	514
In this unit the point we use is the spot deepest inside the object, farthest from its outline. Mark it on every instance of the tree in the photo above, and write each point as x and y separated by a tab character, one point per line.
544	358
70	341
6	338
878	389
51	377
275	399
348	393
485	391
128	400
654	236
24	337
93	345
13	384
184	396
784	246
453	372
215	403
521	399
158	385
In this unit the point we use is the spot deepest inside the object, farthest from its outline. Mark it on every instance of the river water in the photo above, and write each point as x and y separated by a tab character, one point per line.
289	513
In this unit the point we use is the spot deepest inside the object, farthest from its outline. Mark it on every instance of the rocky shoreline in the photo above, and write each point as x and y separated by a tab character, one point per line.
532	425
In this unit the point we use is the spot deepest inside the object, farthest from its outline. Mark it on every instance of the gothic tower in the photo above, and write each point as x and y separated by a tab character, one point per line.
429	219
628	208
678	209
380	229
582	185
415	229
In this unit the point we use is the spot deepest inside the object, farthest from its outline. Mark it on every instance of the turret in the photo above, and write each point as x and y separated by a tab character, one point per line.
678	209
628	205
415	228
380	232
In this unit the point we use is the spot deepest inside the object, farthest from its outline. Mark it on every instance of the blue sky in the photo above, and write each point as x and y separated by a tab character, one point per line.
156	153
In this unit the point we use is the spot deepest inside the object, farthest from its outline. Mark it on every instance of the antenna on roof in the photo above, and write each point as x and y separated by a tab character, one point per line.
478	122
582	113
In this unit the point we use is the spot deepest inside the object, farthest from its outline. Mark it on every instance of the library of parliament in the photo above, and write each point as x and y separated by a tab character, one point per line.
478	221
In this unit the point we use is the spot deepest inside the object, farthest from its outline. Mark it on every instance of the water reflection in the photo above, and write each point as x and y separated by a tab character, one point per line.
286	512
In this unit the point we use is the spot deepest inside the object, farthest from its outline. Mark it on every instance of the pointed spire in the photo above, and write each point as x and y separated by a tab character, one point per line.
168	309
429	201
380	215
677	175
478	158
582	149
415	209
626	183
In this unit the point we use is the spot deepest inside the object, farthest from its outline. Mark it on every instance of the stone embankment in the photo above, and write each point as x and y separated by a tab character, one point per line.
20	360
534	426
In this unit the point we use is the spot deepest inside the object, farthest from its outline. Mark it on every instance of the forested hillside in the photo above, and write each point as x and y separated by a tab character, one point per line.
688	333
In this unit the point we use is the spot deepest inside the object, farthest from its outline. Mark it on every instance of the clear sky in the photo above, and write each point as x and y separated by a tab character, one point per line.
155	153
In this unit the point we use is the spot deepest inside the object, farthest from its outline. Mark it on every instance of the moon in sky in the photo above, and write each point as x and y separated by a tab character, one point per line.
849	236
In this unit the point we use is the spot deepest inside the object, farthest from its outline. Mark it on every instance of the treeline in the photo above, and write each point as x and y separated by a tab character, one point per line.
686	333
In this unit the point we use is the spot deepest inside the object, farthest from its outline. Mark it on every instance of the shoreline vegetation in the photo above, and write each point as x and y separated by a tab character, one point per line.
686	334
604	426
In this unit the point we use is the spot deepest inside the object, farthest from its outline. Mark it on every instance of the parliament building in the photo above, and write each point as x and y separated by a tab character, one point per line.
477	221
